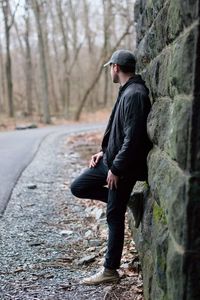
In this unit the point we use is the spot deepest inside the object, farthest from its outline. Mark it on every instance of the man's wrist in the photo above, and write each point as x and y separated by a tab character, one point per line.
115	171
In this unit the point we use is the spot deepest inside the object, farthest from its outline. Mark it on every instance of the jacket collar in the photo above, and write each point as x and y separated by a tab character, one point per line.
134	79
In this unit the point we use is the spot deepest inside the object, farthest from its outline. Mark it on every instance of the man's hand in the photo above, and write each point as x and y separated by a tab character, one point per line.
95	159
112	180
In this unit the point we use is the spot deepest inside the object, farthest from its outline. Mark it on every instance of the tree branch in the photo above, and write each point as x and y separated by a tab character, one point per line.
13	15
75	57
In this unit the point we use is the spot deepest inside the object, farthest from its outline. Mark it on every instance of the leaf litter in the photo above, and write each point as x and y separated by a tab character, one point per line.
50	240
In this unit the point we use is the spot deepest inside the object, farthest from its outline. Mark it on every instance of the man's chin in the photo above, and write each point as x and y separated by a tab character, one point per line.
115	80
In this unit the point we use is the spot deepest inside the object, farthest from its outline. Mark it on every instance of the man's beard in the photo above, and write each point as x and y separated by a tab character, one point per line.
115	78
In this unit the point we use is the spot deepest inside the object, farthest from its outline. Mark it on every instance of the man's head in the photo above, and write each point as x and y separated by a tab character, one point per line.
122	63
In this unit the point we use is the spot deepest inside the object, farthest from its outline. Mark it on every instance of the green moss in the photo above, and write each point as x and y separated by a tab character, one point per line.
159	214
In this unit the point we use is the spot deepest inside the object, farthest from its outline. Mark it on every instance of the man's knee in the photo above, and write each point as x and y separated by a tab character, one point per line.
75	189
79	189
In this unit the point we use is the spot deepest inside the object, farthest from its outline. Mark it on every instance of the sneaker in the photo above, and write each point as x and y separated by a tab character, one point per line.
103	276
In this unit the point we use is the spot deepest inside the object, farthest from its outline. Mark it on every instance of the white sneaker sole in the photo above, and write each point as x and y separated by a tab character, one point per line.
106	280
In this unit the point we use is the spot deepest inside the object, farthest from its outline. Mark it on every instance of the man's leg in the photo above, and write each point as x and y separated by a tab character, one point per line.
116	209
91	184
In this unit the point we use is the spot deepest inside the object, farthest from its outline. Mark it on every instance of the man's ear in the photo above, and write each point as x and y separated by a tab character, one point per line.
116	68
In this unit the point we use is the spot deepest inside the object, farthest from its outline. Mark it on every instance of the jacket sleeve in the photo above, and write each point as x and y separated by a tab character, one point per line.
134	128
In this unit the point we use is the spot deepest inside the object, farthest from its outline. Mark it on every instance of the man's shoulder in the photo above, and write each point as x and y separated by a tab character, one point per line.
134	89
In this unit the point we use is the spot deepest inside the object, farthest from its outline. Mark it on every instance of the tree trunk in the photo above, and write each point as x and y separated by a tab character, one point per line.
43	66
66	83
2	83
28	63
19	38
5	8
87	27
106	80
107	8
52	92
9	75
72	13
93	97
57	65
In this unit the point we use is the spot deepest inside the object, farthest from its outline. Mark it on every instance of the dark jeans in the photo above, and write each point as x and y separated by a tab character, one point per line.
91	185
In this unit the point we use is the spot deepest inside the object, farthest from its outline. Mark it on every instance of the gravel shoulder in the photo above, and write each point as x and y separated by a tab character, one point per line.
49	239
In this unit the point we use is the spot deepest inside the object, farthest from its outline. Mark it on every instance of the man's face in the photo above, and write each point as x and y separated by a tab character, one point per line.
114	73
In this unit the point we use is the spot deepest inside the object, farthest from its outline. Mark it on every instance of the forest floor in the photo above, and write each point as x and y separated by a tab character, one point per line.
50	240
7	124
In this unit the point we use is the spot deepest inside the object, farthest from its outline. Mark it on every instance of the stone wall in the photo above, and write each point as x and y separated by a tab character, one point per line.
168	239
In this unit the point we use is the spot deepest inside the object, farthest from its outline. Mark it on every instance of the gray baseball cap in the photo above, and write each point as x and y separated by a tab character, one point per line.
122	58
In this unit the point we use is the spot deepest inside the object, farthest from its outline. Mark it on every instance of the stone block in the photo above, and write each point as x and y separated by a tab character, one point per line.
189	11
168	187
180	14
159	250
139	18
146	218
179	130
151	39
158	5
157	71
174	272
147	267
174	22
150	12
143	55
159	215
145	14
181	70
168	127
171	72
159	280
158	124
152	244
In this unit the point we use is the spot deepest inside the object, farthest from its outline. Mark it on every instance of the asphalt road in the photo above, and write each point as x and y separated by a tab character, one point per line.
18	148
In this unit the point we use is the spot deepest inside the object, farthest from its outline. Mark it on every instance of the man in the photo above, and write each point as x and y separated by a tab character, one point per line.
121	162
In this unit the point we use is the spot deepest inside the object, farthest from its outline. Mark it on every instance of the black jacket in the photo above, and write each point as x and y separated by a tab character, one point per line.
125	143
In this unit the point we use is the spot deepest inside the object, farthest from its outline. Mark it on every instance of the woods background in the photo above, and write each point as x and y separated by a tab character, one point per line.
52	55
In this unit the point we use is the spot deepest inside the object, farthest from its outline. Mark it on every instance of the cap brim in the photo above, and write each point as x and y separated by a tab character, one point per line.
107	63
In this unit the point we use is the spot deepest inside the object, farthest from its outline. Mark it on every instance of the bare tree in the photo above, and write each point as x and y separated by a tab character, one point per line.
73	17
56	56
108	17
28	60
19	37
66	82
52	92
86	18
8	23
37	6
2	81
126	9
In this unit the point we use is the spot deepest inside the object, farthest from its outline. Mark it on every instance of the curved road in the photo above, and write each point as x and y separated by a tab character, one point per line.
17	149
